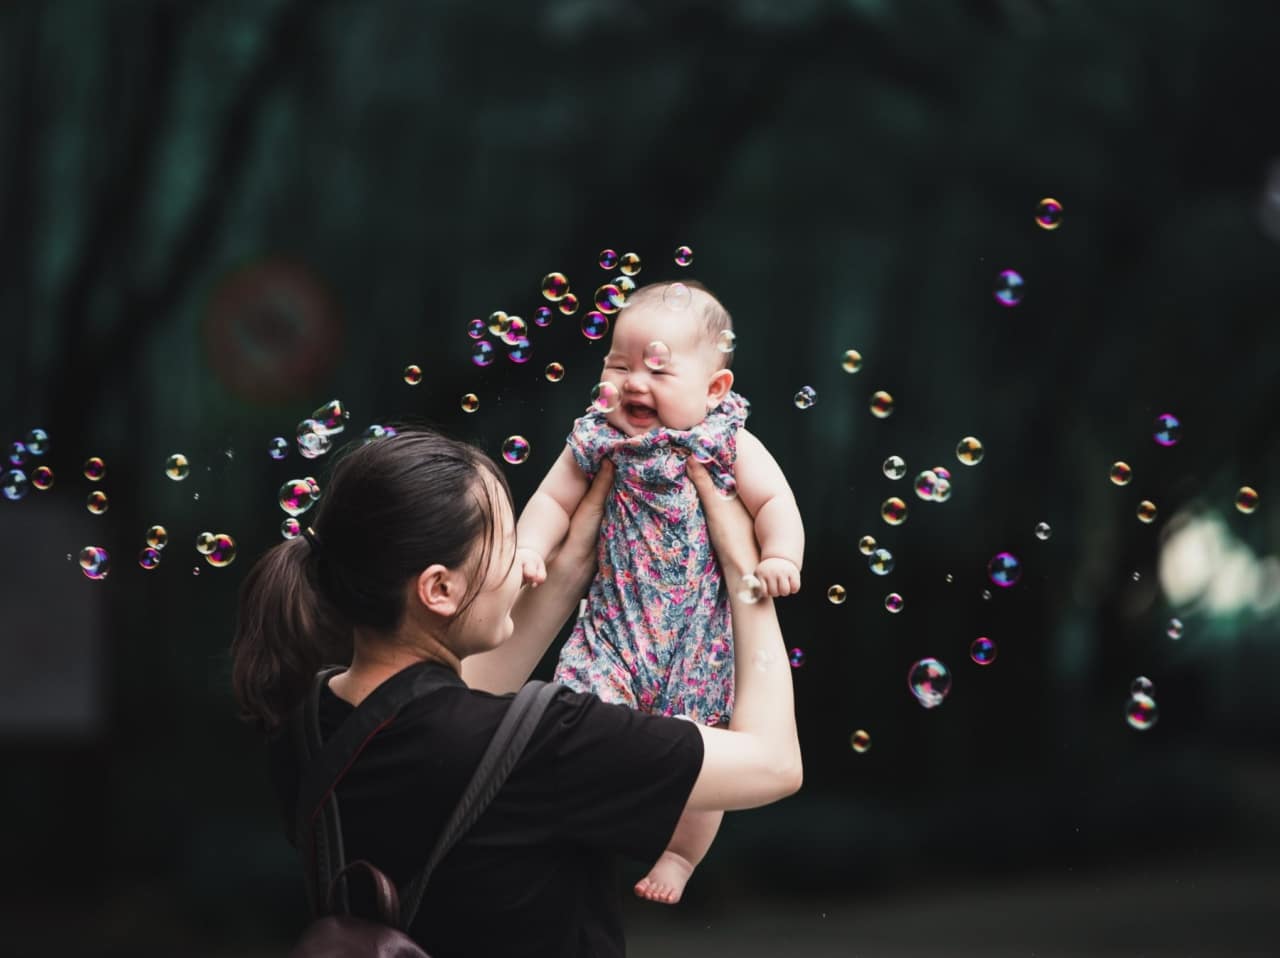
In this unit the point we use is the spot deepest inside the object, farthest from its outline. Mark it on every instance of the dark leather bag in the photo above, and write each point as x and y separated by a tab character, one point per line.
335	932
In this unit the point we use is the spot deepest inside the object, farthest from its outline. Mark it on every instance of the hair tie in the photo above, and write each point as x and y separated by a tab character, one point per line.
310	535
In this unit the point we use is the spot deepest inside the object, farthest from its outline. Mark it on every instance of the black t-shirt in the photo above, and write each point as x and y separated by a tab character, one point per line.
534	876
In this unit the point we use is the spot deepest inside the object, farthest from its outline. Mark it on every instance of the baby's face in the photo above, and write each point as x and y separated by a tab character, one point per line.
675	395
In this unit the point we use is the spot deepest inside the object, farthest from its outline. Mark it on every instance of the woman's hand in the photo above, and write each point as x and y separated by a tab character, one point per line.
733	534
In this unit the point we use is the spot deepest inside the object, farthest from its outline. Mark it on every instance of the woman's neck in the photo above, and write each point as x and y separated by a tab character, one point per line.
374	660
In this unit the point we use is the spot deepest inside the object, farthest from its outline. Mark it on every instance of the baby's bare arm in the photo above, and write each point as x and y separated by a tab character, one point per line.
767	495
545	518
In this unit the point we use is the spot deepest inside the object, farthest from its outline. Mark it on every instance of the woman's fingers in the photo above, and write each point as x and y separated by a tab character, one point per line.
732	531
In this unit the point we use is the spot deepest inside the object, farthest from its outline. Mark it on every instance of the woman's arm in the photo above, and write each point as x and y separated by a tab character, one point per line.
757	759
539	613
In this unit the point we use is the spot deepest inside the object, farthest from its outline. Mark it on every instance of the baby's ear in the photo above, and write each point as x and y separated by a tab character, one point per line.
719	387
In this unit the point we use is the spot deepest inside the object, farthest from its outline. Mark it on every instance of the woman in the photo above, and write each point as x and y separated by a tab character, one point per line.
411	556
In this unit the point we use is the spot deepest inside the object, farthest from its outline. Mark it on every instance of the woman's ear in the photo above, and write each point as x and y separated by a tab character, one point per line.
719	387
440	589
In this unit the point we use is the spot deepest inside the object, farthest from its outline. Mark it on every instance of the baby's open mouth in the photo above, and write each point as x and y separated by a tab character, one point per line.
638	410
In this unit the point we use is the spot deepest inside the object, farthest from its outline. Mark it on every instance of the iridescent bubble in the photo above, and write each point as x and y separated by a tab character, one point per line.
554	372
1246	499
42	478
880	561
1146	511
851	361
867	545
542	316
517	329
223	551
1136	575
157	537
176	467
482	353
1121	473
205	542
656	355
499	323
726	341
374	431
332	417
751	589
94	469
1142	686
195	570
836	594
295	497
1174	629
1004	569
290	528
893	511
521	351
677	297
950	577
313	439
942	472
881	404
796	658
1141	712
894	602
278	448
982	650
926	484
860	741
17	454
313	487
37	442
95	562
1168	429
595	324
475	328
1049	213
895	467
929	681
608	259
569	304
515	449
608	299
413	375
684	256
97	502
1009	288
605	397
149	558
986	595
627	285
470	402
805	398
969	451
629	264
15	485
941	490
555	286
1043	531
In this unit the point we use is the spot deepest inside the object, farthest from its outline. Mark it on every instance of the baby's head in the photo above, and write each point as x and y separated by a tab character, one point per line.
678	386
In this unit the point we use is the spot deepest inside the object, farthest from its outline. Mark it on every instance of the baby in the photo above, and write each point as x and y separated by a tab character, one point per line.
656	633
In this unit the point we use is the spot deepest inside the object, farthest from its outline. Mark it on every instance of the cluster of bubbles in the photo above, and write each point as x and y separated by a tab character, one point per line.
806	397
1141	711
16	483
218	548
929	681
315	434
157	538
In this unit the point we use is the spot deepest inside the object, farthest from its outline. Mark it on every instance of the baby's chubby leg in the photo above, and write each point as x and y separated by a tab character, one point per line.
693	836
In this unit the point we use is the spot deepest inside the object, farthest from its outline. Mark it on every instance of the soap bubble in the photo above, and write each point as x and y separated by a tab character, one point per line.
37	442
1168	429
969	451
521	351
986	595
295	497
149	558
867	545
97	502
751	589
313	439
17	454
595	324
1049	213
332	417
554	372
569	304
929	681
796	658
1174	629
942	472
1142	686
176	467
482	353
805	398
894	602
1136	575
684	256
94	468
982	651
515	450
278	448
223	551
95	562
726	342
1246	499
1121	473
15	485
608	258
1009	288
895	467
941	490
836	594
555	286
1146	511
413	375
608	299
42	478
205	542
881	404
605	397
157	537
860	741
475	328
893	511
542	316
629	264
1043	531
880	561
499	322
517	329
851	361
290	528
1141	712
677	297
926	484
657	355
627	285
1004	569
470	402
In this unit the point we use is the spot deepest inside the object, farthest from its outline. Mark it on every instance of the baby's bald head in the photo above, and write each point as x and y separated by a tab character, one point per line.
703	308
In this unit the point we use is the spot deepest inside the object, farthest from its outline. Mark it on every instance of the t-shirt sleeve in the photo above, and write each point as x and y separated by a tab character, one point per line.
621	777
590	440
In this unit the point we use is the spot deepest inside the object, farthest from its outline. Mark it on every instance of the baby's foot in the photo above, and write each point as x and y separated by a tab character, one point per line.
666	879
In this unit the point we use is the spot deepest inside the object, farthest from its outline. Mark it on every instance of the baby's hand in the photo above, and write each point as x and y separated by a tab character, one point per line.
533	570
779	576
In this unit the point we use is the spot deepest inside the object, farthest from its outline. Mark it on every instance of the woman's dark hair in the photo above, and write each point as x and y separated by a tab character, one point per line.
391	507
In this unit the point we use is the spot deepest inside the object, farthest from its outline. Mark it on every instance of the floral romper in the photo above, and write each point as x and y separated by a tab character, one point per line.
656	633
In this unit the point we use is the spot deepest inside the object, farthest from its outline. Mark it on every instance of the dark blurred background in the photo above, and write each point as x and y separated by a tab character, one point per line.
214	217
